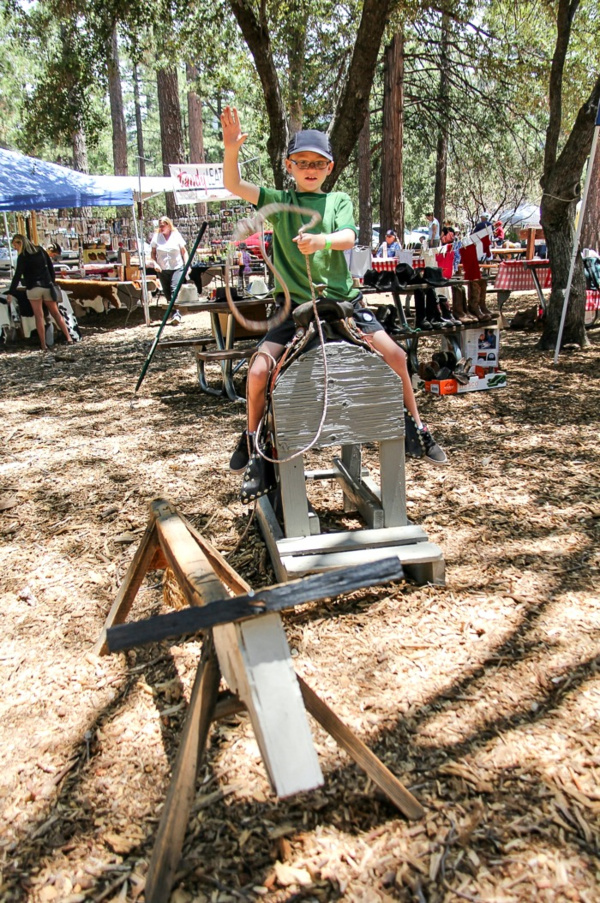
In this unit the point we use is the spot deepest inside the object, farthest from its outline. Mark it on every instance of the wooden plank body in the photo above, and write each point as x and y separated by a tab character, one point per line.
256	663
364	404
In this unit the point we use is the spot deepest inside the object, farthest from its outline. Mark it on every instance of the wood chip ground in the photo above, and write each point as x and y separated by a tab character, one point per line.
483	696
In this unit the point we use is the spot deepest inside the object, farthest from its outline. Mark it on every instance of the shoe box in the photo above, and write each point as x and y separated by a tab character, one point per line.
482	345
493	379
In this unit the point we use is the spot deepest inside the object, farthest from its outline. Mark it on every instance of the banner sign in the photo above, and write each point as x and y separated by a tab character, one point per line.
195	183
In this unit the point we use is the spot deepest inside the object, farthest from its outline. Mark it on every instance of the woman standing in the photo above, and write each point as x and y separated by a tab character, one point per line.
170	256
35	268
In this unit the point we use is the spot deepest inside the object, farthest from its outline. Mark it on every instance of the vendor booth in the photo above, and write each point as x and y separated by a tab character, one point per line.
27	183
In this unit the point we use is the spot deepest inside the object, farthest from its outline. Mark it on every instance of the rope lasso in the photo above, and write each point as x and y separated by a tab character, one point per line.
248	226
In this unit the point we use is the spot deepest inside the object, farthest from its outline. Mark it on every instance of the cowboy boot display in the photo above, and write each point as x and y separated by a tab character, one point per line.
473	293
447	315
459	304
432	310
482	298
420	318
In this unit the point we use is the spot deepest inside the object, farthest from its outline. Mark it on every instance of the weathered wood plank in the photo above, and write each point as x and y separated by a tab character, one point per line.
392	476
352	539
409	555
132	581
359	497
273	598
272	534
362	755
193	571
230	577
176	810
293	497
256	663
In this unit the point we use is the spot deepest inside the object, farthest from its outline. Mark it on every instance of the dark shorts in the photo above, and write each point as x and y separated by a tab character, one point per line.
365	320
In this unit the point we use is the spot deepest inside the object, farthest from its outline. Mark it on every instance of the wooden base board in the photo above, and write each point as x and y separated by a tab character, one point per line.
297	556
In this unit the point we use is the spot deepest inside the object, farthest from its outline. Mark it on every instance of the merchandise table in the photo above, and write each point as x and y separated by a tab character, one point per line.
389	264
508	252
532	275
227	333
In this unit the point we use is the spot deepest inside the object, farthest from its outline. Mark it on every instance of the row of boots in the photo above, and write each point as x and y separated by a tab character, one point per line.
469	306
434	312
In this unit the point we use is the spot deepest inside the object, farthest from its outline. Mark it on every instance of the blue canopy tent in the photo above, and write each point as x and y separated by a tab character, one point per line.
30	184
27	183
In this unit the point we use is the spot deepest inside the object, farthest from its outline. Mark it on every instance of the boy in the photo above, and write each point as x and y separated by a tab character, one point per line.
309	161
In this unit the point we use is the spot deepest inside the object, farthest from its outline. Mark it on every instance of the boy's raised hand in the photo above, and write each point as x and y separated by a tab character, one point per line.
230	123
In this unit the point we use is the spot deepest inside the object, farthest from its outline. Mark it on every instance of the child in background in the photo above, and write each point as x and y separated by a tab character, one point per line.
309	161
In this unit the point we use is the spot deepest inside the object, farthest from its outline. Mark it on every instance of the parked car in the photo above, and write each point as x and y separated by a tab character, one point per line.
253	243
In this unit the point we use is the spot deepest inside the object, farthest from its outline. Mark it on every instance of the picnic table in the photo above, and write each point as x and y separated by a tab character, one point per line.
233	346
533	275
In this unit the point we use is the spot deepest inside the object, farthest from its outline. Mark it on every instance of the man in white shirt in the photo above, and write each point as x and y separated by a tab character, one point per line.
170	256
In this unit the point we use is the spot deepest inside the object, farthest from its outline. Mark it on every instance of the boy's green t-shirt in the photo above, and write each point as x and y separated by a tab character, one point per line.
326	267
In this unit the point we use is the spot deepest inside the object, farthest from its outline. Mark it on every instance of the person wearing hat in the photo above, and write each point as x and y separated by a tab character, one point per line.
309	161
390	247
499	235
484	221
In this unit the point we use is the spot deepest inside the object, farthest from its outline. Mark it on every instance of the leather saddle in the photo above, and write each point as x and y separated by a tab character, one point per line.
329	311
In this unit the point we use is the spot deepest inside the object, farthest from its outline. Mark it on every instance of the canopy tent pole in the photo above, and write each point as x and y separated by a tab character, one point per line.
575	252
142	257
8	245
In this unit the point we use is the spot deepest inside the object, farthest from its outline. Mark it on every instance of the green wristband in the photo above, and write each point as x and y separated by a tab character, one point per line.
327	244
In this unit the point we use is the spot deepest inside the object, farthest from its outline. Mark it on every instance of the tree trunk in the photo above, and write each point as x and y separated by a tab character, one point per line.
196	125
353	103
139	130
365	209
171	133
441	167
590	227
295	54
257	37
80	157
390	209
117	113
561	184
559	232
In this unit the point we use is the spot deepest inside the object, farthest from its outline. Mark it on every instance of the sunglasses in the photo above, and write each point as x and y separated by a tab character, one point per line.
310	164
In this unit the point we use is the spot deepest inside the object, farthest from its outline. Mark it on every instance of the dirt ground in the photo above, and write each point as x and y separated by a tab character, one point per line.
482	696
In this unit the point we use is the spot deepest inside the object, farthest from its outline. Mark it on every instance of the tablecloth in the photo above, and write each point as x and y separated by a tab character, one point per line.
515	276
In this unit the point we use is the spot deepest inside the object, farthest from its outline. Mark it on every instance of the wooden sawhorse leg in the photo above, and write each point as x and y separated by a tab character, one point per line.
176	810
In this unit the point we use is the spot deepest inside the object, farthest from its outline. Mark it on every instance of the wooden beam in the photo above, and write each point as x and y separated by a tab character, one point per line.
362	755
193	572
274	598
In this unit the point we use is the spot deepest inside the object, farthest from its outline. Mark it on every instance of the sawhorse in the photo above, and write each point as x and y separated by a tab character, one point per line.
244	642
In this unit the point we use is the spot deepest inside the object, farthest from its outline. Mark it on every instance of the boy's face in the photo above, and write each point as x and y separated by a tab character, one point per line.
312	177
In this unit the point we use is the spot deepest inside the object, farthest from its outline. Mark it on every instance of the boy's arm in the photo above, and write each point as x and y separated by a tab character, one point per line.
232	141
342	240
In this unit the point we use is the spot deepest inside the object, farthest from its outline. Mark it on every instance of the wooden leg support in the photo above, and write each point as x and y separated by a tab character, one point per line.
176	810
131	584
362	755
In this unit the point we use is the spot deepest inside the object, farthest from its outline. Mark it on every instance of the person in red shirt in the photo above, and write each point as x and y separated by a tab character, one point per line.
498	233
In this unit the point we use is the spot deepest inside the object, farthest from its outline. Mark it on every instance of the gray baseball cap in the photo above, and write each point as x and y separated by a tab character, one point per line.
311	140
